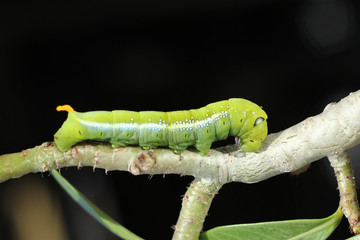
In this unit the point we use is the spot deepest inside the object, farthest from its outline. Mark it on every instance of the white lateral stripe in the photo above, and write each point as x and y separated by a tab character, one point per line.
186	125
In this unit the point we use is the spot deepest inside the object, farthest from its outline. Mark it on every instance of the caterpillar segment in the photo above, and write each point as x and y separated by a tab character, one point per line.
177	129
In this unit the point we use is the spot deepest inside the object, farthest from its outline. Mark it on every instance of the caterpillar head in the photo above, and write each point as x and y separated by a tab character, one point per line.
253	138
71	132
248	123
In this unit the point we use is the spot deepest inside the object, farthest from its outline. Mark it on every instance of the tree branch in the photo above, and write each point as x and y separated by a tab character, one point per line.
335	130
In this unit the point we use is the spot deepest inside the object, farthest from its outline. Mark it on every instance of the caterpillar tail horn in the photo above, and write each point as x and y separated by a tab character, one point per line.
66	108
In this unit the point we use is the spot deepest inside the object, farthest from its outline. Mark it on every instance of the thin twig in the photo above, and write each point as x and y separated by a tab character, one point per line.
346	183
195	206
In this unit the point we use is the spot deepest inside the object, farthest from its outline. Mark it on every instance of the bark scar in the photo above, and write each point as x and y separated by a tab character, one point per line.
144	162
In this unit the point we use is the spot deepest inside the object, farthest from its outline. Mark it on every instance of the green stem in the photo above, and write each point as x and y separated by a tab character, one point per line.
347	187
15	165
195	206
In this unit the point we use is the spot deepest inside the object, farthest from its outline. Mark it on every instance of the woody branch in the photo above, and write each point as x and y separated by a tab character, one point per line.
333	131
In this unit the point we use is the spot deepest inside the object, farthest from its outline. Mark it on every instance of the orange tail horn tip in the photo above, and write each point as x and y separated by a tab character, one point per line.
66	108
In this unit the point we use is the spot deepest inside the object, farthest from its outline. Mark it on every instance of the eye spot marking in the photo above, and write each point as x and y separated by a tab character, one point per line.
258	121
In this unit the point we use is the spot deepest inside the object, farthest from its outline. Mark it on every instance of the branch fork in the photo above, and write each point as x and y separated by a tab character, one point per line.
329	134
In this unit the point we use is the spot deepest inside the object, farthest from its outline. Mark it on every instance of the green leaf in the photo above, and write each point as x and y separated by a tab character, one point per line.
292	229
357	237
93	210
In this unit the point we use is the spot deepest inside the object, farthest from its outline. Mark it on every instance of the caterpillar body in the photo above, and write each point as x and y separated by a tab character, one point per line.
177	129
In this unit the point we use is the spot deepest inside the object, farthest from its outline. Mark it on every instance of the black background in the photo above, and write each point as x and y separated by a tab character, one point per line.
291	57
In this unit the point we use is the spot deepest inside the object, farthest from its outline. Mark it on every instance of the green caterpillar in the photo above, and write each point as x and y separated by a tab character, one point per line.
178	129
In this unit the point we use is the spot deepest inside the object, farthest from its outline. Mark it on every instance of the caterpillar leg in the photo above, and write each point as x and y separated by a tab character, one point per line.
178	152
203	147
178	148
116	144
238	141
204	152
